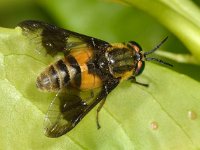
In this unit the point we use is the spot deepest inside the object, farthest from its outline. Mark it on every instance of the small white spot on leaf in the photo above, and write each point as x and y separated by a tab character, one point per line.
154	125
192	115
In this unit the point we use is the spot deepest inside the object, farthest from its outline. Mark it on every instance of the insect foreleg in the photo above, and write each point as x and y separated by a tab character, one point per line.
98	110
133	80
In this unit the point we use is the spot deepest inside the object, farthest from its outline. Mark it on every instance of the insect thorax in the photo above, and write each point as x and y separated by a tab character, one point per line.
121	60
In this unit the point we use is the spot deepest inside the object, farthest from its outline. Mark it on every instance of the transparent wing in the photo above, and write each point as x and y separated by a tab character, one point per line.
71	105
68	108
55	39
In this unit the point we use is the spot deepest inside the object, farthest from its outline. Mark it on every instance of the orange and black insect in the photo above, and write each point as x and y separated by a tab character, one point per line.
89	70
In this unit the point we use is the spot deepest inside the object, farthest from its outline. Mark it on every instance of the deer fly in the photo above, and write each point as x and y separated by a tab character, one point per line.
89	70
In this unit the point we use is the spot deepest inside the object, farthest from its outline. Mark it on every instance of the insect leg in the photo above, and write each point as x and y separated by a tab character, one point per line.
107	88
133	80
98	110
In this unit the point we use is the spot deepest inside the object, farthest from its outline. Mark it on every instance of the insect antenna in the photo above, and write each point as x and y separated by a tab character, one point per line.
158	60
153	50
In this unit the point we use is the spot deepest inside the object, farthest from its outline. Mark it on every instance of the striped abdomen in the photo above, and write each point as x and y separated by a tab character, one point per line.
71	70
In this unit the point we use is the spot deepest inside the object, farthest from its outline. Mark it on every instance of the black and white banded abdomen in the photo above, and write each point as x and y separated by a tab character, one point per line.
56	76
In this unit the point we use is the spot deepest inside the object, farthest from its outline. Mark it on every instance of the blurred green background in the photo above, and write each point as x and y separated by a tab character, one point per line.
112	21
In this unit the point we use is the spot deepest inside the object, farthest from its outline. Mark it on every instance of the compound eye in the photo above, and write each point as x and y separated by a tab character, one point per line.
135	46
139	68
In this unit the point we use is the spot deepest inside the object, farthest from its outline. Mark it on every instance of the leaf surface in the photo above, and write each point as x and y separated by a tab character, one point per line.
126	119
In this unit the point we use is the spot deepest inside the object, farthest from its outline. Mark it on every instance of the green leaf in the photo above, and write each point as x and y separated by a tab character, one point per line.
163	116
126	118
